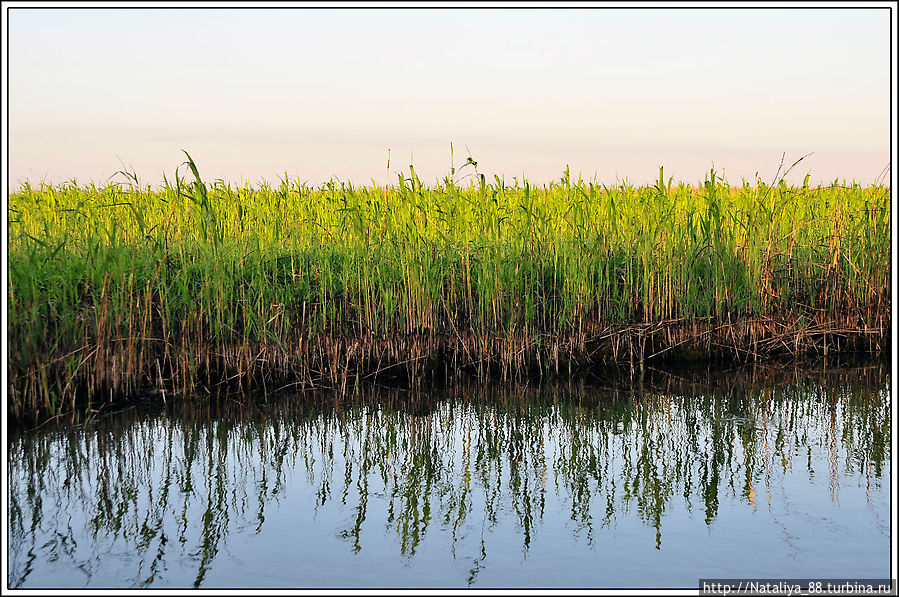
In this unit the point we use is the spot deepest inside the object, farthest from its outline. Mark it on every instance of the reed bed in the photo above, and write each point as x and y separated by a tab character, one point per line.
210	287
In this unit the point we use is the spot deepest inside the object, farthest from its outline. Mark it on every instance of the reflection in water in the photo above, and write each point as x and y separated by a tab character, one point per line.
137	499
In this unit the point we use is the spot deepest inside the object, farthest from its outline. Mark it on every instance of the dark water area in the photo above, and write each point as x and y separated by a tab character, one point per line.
649	482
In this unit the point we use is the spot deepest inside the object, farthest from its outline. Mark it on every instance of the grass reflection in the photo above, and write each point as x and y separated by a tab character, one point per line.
171	491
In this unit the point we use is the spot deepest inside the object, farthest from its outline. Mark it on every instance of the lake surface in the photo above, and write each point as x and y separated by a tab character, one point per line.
651	482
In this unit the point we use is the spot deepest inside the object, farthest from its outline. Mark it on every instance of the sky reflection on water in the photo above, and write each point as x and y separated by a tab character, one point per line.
562	486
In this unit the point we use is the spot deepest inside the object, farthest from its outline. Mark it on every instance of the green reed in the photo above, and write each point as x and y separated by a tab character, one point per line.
115	288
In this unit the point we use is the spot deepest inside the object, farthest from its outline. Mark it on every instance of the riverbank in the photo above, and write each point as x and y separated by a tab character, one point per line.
211	288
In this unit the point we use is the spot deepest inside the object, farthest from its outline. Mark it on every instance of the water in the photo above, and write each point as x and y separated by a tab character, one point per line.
654	483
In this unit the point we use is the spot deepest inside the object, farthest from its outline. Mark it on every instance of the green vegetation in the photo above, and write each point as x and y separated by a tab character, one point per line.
197	286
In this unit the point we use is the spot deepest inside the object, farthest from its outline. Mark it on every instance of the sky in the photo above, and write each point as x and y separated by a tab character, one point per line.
319	94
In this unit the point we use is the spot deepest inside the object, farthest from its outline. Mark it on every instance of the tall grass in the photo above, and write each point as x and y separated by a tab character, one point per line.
204	286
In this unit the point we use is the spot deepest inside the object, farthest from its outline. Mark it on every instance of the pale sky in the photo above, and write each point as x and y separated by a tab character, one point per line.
322	93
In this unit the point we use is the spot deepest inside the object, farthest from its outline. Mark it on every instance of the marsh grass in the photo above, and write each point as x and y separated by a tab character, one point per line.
207	287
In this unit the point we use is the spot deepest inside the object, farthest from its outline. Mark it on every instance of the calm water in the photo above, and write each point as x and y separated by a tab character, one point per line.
653	484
